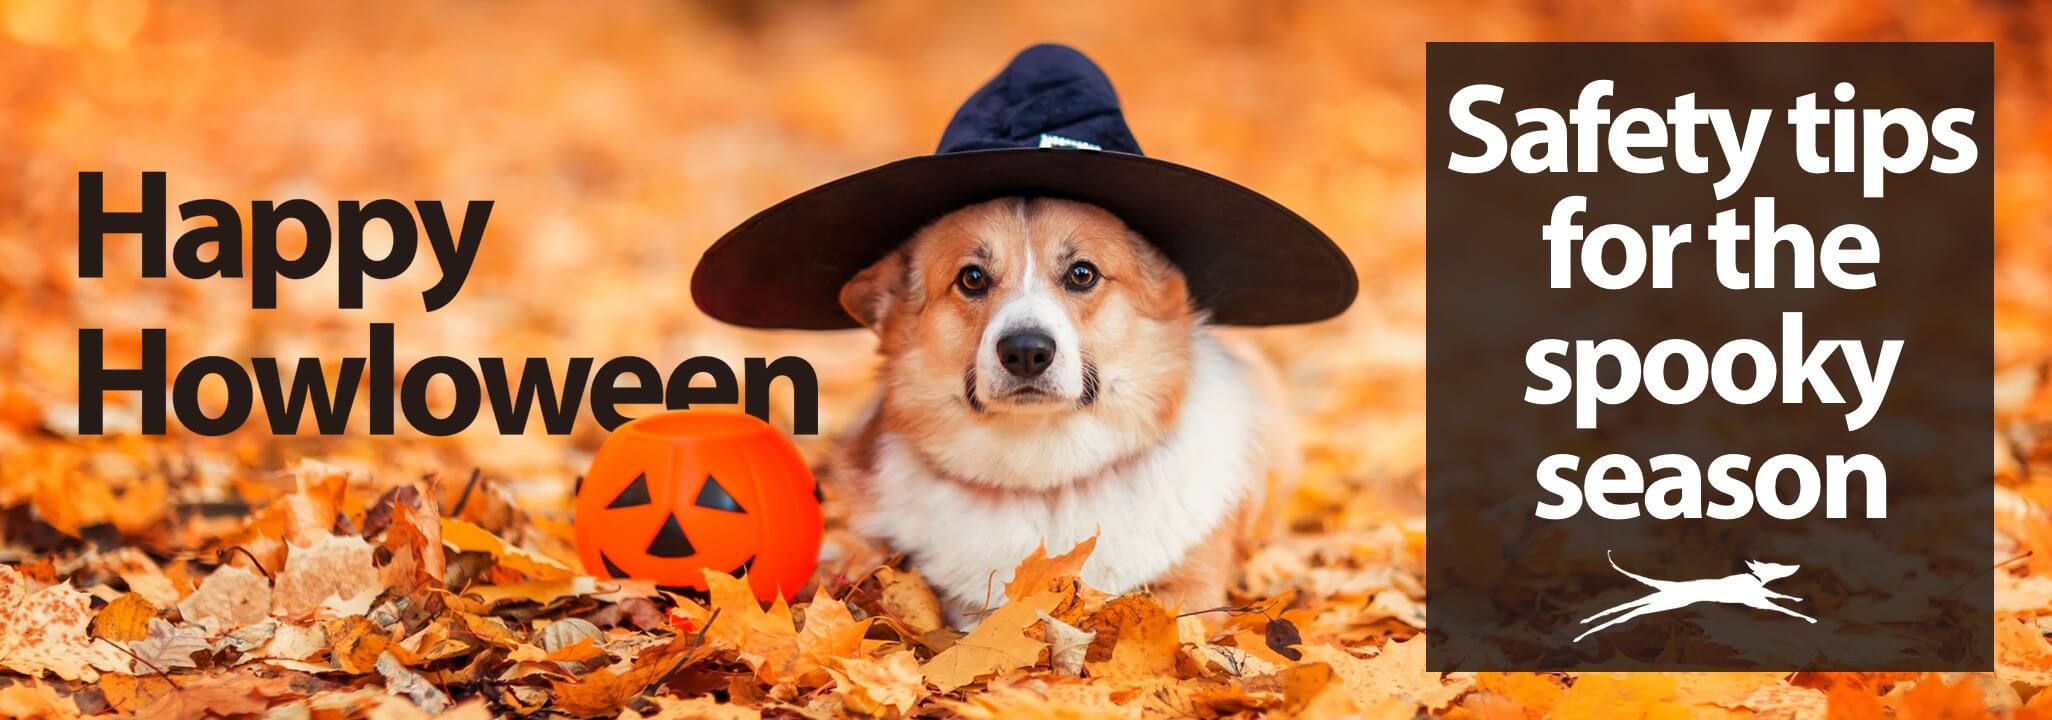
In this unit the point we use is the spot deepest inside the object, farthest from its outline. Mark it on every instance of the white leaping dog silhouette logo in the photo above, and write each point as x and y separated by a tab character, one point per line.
1748	589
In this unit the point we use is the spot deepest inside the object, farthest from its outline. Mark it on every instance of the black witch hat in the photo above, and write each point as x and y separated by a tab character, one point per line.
1048	125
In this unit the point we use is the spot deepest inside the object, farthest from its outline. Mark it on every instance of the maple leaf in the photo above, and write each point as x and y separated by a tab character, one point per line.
1035	572
45	630
998	644
167	647
767	640
879	686
831	632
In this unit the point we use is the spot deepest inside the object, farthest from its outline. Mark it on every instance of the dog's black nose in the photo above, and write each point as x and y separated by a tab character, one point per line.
1026	354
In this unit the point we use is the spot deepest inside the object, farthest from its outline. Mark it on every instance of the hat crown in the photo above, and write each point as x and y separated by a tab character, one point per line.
1048	96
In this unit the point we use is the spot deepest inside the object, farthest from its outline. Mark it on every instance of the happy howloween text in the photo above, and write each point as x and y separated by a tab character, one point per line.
246	247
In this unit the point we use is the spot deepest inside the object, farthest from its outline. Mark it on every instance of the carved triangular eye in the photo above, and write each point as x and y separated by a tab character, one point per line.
714	497
670	541
611	569
635	494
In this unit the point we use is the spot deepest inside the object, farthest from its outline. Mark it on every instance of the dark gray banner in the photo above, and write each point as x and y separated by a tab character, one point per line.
1710	356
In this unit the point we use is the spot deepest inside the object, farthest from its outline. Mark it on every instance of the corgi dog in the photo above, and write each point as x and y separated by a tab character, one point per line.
1046	378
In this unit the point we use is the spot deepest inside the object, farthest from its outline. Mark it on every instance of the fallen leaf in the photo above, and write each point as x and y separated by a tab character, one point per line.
1933	699
463	536
167	647
1605	696
357	643
907	597
1037	570
45	631
33	699
410	685
336	567
127	619
767	640
831	632
1533	692
230	598
564	633
702	707
1067	645
1396	672
1135	639
874	686
998	644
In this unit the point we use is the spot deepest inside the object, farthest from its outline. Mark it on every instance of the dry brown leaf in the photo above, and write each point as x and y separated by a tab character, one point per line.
167	647
333	567
410	685
1603	696
831	632
564	633
1135	639
129	694
416	536
880	686
1038	570
143	576
356	643
603	691
1534	693
907	597
1303	683
703	707
1398	672
998	644
1067	645
33	699
230	598
44	630
1934	699
463	536
127	619
765	639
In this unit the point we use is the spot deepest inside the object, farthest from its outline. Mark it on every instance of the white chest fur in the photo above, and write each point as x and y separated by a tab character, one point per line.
1148	512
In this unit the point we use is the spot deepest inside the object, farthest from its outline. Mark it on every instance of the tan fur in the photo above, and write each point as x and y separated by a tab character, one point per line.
1134	325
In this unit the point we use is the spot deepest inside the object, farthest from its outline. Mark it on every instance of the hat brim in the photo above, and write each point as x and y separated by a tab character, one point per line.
1248	260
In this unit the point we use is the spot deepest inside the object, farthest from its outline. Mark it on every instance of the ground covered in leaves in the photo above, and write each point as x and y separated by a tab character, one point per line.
403	577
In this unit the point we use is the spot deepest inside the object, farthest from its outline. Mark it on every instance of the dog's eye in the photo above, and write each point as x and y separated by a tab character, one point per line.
1081	276
973	281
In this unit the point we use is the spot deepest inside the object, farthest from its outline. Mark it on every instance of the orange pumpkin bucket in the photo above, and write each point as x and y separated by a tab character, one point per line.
673	494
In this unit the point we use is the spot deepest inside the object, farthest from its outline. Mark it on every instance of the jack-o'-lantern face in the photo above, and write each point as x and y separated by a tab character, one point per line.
672	495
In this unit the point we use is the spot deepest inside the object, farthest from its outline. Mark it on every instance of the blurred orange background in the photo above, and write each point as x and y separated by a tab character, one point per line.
619	140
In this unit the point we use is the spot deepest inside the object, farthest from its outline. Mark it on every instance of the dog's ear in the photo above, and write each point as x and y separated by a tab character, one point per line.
869	296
